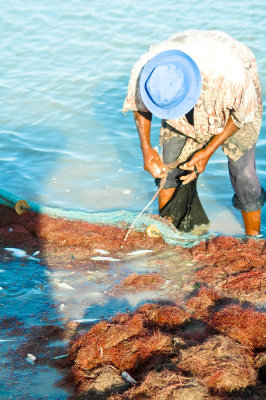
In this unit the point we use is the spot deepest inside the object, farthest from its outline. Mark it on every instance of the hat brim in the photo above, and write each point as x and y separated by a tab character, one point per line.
192	83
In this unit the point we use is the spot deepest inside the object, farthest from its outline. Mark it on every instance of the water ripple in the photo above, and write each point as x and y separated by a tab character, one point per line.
63	76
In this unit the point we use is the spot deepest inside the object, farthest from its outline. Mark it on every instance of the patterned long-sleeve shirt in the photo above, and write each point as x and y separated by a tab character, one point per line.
230	87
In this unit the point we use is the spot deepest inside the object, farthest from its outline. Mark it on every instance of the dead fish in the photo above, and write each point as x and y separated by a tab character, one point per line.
31	358
63	285
139	252
99	258
86	320
19	253
128	378
101	251
62	356
16	252
6	340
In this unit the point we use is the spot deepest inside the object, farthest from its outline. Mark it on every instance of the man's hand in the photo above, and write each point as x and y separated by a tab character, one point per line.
152	160
199	160
153	163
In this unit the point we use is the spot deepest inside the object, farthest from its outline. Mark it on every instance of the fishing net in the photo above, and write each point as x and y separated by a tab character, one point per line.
122	219
185	208
202	335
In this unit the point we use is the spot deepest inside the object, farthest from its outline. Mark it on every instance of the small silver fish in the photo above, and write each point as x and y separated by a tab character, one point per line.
63	285
62	356
100	258
31	358
101	251
19	253
128	378
139	252
86	320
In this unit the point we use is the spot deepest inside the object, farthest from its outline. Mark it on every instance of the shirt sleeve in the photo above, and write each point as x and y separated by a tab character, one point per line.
244	101
133	101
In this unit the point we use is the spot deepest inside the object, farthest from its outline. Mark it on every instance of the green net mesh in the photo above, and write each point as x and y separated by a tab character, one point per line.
118	218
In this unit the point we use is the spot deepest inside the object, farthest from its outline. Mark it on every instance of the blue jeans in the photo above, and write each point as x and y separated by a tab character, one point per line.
249	196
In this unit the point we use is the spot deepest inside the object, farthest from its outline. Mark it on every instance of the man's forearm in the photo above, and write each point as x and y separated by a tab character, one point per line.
217	140
151	158
143	124
200	158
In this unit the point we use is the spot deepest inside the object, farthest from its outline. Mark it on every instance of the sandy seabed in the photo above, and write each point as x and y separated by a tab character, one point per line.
204	340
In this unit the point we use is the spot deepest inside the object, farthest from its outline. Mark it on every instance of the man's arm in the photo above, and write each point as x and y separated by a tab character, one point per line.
201	158
152	160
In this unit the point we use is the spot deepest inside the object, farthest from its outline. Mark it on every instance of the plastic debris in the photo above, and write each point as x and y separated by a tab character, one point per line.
153	231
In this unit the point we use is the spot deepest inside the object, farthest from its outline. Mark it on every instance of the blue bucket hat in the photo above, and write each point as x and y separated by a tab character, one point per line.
170	84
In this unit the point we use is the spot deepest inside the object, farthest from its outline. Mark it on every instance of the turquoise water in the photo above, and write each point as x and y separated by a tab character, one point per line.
34	296
65	142
63	76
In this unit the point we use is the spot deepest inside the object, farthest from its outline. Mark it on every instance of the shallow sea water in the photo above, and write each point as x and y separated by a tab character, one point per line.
34	296
65	142
63	76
